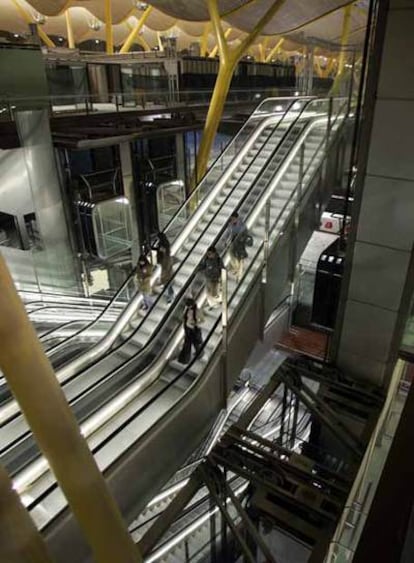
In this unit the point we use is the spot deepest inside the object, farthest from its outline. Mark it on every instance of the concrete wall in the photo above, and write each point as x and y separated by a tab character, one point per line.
379	280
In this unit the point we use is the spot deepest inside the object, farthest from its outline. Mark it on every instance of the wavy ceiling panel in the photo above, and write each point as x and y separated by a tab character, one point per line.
190	16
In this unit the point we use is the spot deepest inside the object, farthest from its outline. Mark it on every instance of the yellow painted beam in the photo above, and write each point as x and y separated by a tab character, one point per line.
129	41
144	44
204	40
20	540
28	18
275	50
215	49
228	61
262	49
109	32
69	30
33	383
346	28
160	45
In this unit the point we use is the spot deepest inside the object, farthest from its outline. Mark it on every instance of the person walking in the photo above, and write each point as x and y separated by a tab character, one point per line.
237	237
164	259
143	281
211	266
192	331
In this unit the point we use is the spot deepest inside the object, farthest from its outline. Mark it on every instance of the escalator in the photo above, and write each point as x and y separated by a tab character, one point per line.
218	192
137	394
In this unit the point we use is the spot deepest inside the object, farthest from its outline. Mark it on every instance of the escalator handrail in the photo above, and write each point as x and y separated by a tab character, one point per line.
9	410
115	331
252	118
259	252
172	310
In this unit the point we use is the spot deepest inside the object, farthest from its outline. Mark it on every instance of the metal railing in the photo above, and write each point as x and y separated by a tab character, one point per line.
351	524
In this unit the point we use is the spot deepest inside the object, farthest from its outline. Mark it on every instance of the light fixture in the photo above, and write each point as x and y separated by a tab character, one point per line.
97	41
39	18
95	24
16	35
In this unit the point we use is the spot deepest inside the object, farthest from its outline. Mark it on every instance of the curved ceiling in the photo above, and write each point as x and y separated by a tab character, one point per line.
298	20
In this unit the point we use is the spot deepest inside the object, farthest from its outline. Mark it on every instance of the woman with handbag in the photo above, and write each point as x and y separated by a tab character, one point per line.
192	332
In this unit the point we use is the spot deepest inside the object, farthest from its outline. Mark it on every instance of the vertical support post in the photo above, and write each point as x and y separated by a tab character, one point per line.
346	28
109	32
127	171
351	86
295	421
213	543
224	324
329	125
57	432
204	40
69	29
20	540
293	267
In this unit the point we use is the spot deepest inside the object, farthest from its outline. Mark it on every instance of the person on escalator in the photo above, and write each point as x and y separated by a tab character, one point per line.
211	266
164	259
192	331
237	235
143	280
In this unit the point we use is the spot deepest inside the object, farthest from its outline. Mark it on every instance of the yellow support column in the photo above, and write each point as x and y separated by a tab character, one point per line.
204	40
215	49
20	540
69	29
262	49
29	19
109	32
346	28
228	61
275	50
34	385
130	40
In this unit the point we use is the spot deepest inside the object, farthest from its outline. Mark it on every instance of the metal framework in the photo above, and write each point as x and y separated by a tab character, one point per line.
297	493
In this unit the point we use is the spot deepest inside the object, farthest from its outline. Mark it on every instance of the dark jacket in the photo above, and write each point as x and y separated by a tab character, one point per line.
165	261
212	267
238	234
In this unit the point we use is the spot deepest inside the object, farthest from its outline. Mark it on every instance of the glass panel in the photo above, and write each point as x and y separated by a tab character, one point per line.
112	227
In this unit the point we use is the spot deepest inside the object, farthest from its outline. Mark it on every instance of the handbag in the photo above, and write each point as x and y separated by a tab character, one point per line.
249	240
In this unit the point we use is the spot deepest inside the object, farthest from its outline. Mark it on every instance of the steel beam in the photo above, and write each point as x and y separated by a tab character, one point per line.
164	521
33	383
130	40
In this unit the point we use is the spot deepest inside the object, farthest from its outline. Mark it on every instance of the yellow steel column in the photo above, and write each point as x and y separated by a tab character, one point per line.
346	28
34	385
129	41
215	49
69	29
109	32
262	49
20	540
275	50
29	19
204	39
228	61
